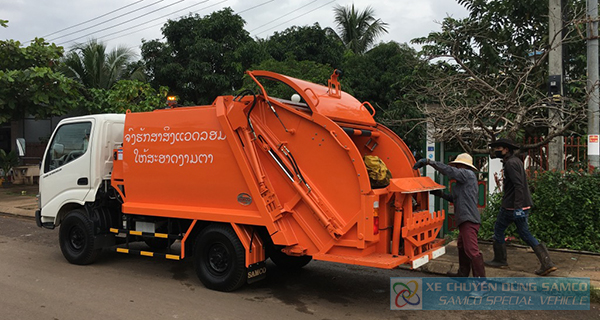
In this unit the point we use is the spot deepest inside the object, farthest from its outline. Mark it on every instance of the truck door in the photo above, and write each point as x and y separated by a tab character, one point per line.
66	167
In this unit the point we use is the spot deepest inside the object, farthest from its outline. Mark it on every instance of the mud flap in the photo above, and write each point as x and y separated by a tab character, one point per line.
257	272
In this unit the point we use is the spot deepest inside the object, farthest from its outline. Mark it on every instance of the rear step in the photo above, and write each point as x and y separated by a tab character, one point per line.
377	260
146	234
127	250
388	261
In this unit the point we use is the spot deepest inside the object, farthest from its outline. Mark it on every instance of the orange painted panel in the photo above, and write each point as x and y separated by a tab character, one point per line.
181	157
345	108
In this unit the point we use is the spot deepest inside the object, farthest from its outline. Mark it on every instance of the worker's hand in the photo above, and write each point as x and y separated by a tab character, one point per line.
437	193
420	164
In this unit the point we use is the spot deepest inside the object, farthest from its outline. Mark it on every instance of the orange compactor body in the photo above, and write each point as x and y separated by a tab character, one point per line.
292	167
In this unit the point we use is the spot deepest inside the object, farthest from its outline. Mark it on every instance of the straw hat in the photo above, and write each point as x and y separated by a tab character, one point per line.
464	158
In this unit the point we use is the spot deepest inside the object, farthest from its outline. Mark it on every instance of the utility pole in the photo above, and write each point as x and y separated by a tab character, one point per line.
555	85
592	83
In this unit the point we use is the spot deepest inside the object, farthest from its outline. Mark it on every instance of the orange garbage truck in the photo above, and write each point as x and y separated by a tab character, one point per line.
280	172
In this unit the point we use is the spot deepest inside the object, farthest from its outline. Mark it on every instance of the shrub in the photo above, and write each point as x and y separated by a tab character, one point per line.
566	212
7	162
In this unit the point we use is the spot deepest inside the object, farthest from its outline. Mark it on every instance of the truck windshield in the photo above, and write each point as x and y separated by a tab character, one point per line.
69	143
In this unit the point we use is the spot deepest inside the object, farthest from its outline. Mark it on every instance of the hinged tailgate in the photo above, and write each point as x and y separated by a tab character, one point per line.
413	185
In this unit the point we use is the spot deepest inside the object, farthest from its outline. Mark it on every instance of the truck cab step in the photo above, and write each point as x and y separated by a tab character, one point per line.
146	234
146	253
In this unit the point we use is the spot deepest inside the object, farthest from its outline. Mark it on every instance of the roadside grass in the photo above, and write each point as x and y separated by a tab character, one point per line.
16	192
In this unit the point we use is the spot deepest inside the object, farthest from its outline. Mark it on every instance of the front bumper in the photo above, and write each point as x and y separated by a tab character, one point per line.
38	221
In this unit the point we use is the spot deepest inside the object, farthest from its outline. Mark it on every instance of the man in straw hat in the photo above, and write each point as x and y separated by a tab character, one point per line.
464	196
516	204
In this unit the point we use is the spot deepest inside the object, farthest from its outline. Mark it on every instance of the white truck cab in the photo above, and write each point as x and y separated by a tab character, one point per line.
77	160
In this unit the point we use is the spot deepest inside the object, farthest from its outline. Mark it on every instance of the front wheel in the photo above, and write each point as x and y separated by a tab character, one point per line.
76	238
219	258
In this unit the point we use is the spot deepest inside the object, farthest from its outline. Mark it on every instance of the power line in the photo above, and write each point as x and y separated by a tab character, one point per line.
296	17
256	6
282	16
115	25
96	18
154	25
158	24
103	22
161	23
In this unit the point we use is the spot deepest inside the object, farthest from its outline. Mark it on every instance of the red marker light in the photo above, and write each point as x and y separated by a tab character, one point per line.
376	217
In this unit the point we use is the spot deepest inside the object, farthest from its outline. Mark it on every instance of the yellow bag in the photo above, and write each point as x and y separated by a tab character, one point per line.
379	175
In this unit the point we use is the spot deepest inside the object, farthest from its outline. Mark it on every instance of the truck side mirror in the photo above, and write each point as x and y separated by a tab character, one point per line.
21	147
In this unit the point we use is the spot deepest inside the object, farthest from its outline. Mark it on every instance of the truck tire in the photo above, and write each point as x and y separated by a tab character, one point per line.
219	258
76	238
283	261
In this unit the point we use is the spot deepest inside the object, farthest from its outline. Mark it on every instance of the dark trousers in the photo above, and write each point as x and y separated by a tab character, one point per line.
505	218
467	238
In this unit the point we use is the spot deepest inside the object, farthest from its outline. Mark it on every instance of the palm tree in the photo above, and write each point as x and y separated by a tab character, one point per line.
91	65
358	30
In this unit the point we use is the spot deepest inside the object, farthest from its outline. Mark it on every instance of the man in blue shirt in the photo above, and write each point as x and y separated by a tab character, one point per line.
464	196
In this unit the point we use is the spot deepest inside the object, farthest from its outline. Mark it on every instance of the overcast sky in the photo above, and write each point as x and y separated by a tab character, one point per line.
127	22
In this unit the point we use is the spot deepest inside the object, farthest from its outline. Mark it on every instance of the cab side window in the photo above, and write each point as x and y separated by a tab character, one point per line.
69	143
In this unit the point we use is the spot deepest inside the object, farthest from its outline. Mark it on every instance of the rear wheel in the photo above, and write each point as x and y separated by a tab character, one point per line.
76	238
219	258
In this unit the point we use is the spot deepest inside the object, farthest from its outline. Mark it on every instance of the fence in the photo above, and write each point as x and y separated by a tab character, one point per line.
575	154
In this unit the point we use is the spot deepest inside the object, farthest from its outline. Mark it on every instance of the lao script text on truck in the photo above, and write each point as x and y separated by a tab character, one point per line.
237	182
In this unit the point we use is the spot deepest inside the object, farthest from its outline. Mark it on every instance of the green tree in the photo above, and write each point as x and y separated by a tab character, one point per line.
358	30
30	82
490	77
133	95
202	58
306	43
95	67
389	77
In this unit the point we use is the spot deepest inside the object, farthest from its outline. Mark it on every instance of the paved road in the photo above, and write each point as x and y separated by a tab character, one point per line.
37	283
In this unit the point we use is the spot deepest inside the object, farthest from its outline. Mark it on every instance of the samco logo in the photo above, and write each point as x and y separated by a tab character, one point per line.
257	272
244	199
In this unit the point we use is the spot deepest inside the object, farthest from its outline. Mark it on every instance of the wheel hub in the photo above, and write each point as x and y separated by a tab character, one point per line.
76	238
218	258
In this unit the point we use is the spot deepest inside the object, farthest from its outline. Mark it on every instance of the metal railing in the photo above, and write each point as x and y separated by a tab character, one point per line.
575	154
